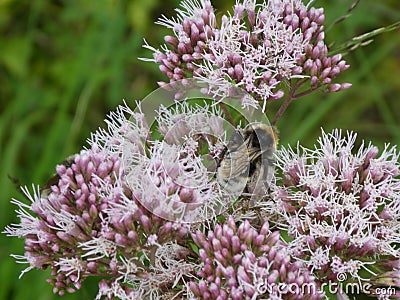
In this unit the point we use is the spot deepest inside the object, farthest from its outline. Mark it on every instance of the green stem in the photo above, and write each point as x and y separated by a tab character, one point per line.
289	100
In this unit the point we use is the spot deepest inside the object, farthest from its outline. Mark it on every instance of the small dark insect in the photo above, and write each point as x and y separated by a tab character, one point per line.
247	162
15	181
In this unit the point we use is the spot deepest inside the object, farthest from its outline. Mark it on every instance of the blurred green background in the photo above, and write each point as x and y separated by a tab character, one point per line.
65	64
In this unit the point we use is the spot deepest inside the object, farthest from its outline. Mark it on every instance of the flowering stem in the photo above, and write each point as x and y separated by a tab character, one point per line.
289	100
309	91
282	109
226	113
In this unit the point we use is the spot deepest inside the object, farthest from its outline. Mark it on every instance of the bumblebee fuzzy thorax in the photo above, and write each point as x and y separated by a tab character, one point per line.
247	164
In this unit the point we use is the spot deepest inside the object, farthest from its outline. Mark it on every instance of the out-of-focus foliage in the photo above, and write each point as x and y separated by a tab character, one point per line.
65	64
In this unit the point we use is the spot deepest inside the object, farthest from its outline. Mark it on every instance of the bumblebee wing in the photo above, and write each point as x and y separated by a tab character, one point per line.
254	153
235	163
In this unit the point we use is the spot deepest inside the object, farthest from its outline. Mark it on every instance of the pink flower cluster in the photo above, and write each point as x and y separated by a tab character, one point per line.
256	48
114	212
341	209
145	216
240	262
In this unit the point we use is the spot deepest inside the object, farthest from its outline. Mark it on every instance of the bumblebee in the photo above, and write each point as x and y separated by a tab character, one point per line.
247	162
